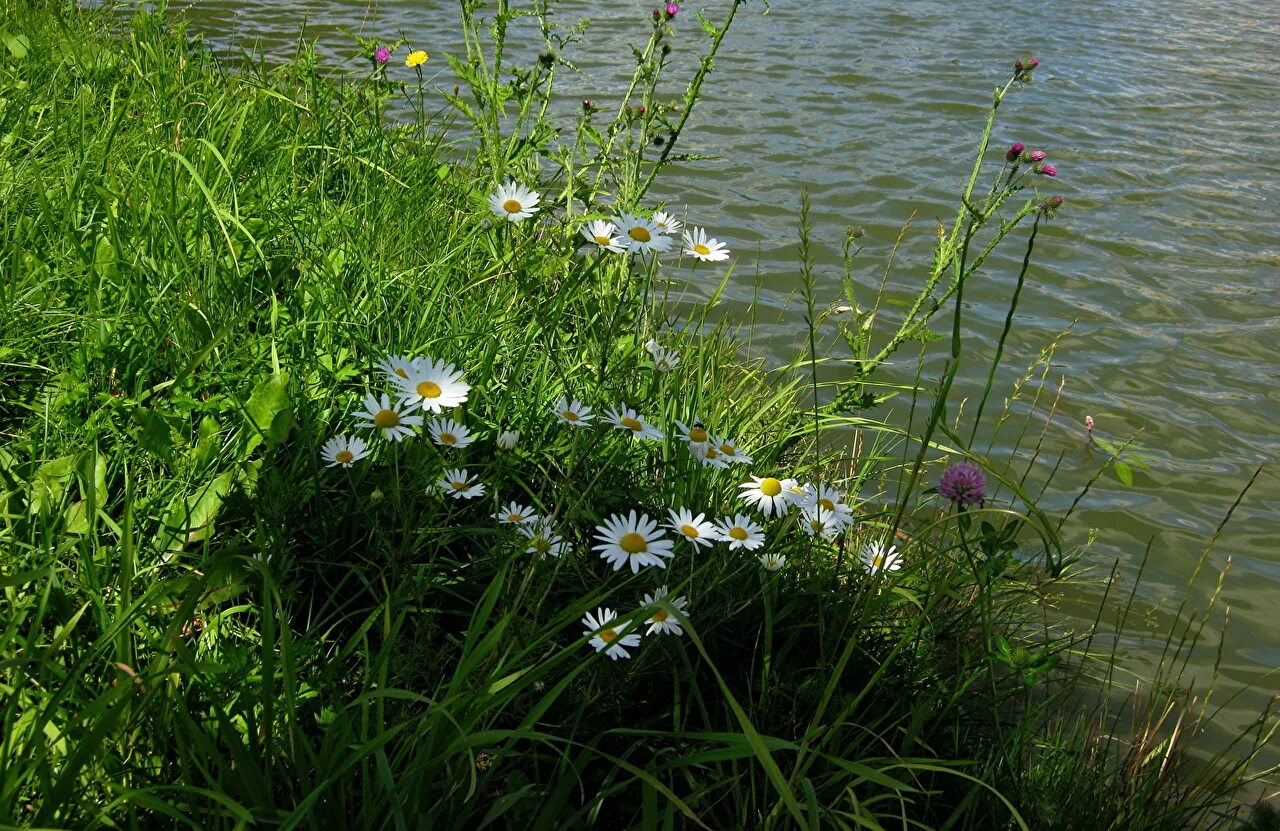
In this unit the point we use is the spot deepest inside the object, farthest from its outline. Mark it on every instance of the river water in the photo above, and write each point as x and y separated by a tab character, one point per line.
1163	118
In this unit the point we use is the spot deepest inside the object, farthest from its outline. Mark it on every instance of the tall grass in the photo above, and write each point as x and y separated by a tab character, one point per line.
206	628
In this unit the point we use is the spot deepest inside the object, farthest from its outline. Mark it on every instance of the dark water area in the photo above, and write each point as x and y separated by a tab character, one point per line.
1163	119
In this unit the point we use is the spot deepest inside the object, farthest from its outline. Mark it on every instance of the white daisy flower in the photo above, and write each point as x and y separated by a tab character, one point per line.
740	532
667	223
830	499
696	434
772	562
628	419
397	367
513	201
434	385
708	249
768	494
641	234
604	235
709	455
819	522
459	485
666	619
448	433
796	493
652	346
634	540
665	360
695	529
507	439
573	412
542	540
343	450
731	453
515	514
391	419
609	636
876	558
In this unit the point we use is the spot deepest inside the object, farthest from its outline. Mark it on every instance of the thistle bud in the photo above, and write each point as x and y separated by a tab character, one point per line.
1014	151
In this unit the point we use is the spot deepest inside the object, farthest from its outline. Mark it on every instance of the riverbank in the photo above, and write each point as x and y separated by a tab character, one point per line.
214	621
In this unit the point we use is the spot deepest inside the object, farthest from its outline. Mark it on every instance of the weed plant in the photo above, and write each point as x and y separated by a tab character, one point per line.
285	380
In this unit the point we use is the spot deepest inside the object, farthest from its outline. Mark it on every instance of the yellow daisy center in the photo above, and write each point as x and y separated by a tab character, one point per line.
448	438
770	486
697	434
738	533
640	234
601	239
701	249
344	456
608	635
817	525
796	489
400	371
515	517
459	486
429	389
569	415
542	545
512	206
689	531
386	418
633	543
660	616
877	561
631	424
827	504
711	453
728	450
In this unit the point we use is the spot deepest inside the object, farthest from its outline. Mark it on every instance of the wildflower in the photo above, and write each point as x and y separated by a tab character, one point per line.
1088	425
772	562
634	540
1014	151
588	104
708	249
542	540
1037	156
665	620
398	366
343	450
709	455
626	418
740	532
963	484
667	223
608	636
573	412
768	494
1027	64
513	201
387	417
672	10
697	436
642	234
875	558
416	58
796	493
507	439
382	55
604	235
665	360
434	385
459	485
448	433
731	453
515	514
1046	170
819	522
695	529
830	499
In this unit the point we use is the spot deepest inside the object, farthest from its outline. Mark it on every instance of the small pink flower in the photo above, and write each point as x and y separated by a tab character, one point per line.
672	10
1088	424
1014	151
1038	156
1046	170
587	104
382	54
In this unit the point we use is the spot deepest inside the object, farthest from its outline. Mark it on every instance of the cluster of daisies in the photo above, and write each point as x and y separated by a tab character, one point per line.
626	232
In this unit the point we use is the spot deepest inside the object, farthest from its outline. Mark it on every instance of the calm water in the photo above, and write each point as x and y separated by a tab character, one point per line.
1164	120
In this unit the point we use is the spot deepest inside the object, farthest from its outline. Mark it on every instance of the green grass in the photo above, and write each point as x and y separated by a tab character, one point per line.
205	627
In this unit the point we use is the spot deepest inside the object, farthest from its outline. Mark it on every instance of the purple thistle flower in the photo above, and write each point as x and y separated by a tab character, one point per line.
382	54
1038	156
1014	151
672	10
963	484
1046	170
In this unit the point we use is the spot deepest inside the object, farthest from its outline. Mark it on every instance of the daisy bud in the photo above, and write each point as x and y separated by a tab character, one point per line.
1014	151
507	439
1038	156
